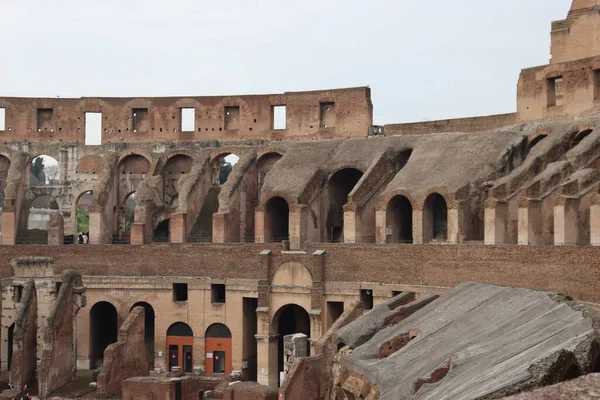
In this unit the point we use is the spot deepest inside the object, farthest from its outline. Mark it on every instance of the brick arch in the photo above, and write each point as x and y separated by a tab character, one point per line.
269	196
292	273
265	153
144	154
347	166
419	201
275	319
385	198
52	153
137	103
91	105
217	154
189	102
6	155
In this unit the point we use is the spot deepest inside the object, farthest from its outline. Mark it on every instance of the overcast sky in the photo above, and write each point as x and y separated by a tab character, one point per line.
423	60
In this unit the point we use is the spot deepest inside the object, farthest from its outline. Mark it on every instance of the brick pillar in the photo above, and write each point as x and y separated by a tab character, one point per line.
178	228
297	226
56	230
495	218
137	233
9	228
530	221
259	226
219	228
380	227
418	236
351	218
455	222
266	346
595	220
317	291
566	220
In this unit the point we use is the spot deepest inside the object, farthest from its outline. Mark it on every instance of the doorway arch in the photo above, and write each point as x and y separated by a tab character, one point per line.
288	320
277	220
435	218
218	346
149	327
180	342
103	331
339	186
399	221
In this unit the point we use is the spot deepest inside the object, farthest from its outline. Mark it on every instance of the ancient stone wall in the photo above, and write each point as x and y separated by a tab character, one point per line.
58	360
470	124
318	114
578	35
127	357
23	368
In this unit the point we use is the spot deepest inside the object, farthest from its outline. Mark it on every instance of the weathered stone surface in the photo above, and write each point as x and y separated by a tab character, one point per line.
583	388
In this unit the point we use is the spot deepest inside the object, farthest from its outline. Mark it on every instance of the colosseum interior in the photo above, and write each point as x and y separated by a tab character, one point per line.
283	247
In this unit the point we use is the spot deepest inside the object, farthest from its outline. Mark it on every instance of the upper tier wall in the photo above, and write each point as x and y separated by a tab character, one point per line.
472	124
318	114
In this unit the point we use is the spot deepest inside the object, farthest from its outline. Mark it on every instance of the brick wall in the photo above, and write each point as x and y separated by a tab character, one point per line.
473	124
127	357
572	270
22	371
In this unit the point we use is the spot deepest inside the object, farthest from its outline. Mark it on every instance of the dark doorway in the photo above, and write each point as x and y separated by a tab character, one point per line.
11	332
173	356
103	331
218	362
277	216
292	319
187	359
399	220
435	216
149	321
340	185
249	347
161	232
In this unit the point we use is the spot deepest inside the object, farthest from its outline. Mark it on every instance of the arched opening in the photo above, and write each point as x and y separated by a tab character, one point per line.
9	350
82	231
175	168
264	165
4	167
132	171
580	136
535	141
222	167
202	229
103	331
44	171
41	210
126	219
180	341
435	218
289	320
218	349
399	220
149	326
161	232
277	220
338	188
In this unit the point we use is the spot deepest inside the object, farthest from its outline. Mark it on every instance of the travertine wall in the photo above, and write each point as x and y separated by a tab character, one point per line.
577	36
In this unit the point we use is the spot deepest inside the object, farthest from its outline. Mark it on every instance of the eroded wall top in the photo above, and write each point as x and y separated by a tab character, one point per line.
291	115
577	36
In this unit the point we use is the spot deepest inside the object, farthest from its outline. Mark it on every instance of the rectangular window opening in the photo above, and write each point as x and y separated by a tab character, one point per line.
2	119
232	118
334	310
279	121
555	91
93	128
17	293
396	293
217	293
328	115
188	119
44	119
139	118
366	298
596	85
180	292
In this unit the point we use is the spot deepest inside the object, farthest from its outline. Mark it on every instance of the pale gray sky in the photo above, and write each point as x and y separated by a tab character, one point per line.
422	59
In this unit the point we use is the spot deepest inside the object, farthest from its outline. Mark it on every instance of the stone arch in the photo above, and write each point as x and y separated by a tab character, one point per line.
222	168
40	211
435	218
103	331
292	274
180	342
582	134
90	164
534	139
264	163
217	343
277	219
288	320
339	185
399	220
81	212
175	166
46	173
149	329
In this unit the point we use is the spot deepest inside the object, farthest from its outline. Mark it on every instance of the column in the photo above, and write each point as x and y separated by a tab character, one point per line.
530	222
297	226
380	227
495	217
455	223
350	223
259	226
266	346
9	228
137	233
418	235
219	228
178	228
566	220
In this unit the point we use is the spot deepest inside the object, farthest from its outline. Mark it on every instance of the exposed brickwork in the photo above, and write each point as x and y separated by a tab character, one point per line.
22	371
127	357
472	124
